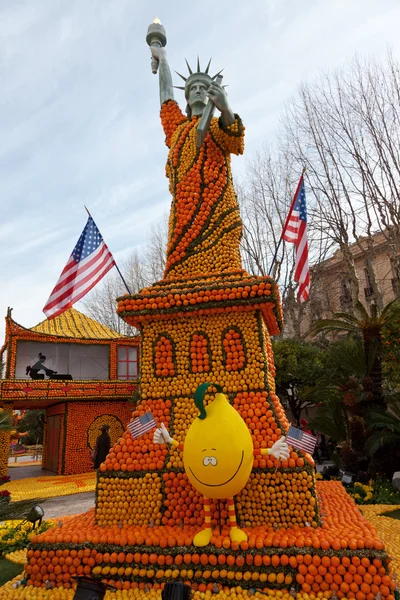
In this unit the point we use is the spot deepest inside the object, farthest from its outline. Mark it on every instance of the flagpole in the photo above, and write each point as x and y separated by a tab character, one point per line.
287	218
116	266
275	255
125	284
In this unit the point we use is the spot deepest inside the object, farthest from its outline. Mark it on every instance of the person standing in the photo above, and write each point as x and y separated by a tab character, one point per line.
304	426
103	445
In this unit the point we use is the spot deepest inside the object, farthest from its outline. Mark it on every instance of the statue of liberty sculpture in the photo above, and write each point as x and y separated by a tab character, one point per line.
205	225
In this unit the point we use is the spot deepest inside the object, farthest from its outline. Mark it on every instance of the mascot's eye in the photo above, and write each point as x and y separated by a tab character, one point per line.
210	460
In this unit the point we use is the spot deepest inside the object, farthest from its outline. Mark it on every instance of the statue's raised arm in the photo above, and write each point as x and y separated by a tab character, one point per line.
164	74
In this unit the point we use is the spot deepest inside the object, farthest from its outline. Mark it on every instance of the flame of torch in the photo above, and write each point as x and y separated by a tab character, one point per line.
156	36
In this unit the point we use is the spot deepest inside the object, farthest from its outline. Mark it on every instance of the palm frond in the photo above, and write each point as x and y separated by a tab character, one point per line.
331	420
328	325
362	311
346	317
393	397
391	310
342	321
351	362
354	359
316	394
385	427
390	418
379	440
382	420
394	406
5	421
329	427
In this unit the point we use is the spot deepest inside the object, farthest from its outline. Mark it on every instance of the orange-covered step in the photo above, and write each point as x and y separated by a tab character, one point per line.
344	555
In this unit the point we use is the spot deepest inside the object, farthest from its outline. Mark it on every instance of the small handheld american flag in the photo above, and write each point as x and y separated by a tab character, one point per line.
139	426
301	440
89	262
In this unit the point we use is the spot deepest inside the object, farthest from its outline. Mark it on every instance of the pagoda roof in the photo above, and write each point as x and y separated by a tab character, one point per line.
74	324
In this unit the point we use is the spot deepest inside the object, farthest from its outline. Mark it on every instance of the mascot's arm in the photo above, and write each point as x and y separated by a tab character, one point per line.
162	436
177	444
280	450
261	452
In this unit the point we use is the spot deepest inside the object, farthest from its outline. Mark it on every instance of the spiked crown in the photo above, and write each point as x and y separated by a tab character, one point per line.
195	76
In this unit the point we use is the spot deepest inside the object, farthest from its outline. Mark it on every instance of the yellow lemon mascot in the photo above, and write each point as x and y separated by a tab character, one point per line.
218	456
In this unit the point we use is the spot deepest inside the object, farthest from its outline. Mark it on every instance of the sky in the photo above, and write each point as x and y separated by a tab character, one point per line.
79	110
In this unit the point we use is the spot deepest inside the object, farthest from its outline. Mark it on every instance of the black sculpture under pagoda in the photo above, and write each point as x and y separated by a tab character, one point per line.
33	371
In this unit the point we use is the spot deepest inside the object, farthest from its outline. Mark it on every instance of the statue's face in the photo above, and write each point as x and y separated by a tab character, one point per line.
198	93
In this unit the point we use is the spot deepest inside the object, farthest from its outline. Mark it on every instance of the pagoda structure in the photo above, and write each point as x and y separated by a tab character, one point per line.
88	379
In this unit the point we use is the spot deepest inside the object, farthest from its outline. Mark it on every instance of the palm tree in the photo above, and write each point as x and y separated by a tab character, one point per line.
386	429
5	421
331	420
342	390
369	327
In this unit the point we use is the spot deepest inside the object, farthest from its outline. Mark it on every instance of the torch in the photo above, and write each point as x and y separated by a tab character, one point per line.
156	36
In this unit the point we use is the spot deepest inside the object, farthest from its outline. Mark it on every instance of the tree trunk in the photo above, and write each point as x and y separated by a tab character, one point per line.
352	275
373	343
295	407
375	286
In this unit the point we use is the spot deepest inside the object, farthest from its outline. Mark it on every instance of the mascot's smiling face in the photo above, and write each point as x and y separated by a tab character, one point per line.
218	451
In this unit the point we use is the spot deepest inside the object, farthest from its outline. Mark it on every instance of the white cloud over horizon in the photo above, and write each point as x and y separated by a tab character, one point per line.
79	110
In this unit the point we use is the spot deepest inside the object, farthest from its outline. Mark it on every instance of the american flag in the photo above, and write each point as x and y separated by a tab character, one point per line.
295	231
301	440
139	426
89	262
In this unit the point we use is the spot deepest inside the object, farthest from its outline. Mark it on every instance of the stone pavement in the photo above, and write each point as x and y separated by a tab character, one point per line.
68	505
57	506
16	473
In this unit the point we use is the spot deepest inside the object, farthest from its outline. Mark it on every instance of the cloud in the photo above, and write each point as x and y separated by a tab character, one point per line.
79	121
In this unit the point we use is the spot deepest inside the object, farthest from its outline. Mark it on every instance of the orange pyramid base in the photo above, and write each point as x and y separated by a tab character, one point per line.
344	555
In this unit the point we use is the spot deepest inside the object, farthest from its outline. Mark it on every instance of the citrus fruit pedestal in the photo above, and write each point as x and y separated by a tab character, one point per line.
313	539
343	555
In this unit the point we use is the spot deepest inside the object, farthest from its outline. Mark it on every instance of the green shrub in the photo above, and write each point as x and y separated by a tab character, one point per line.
379	491
15	535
